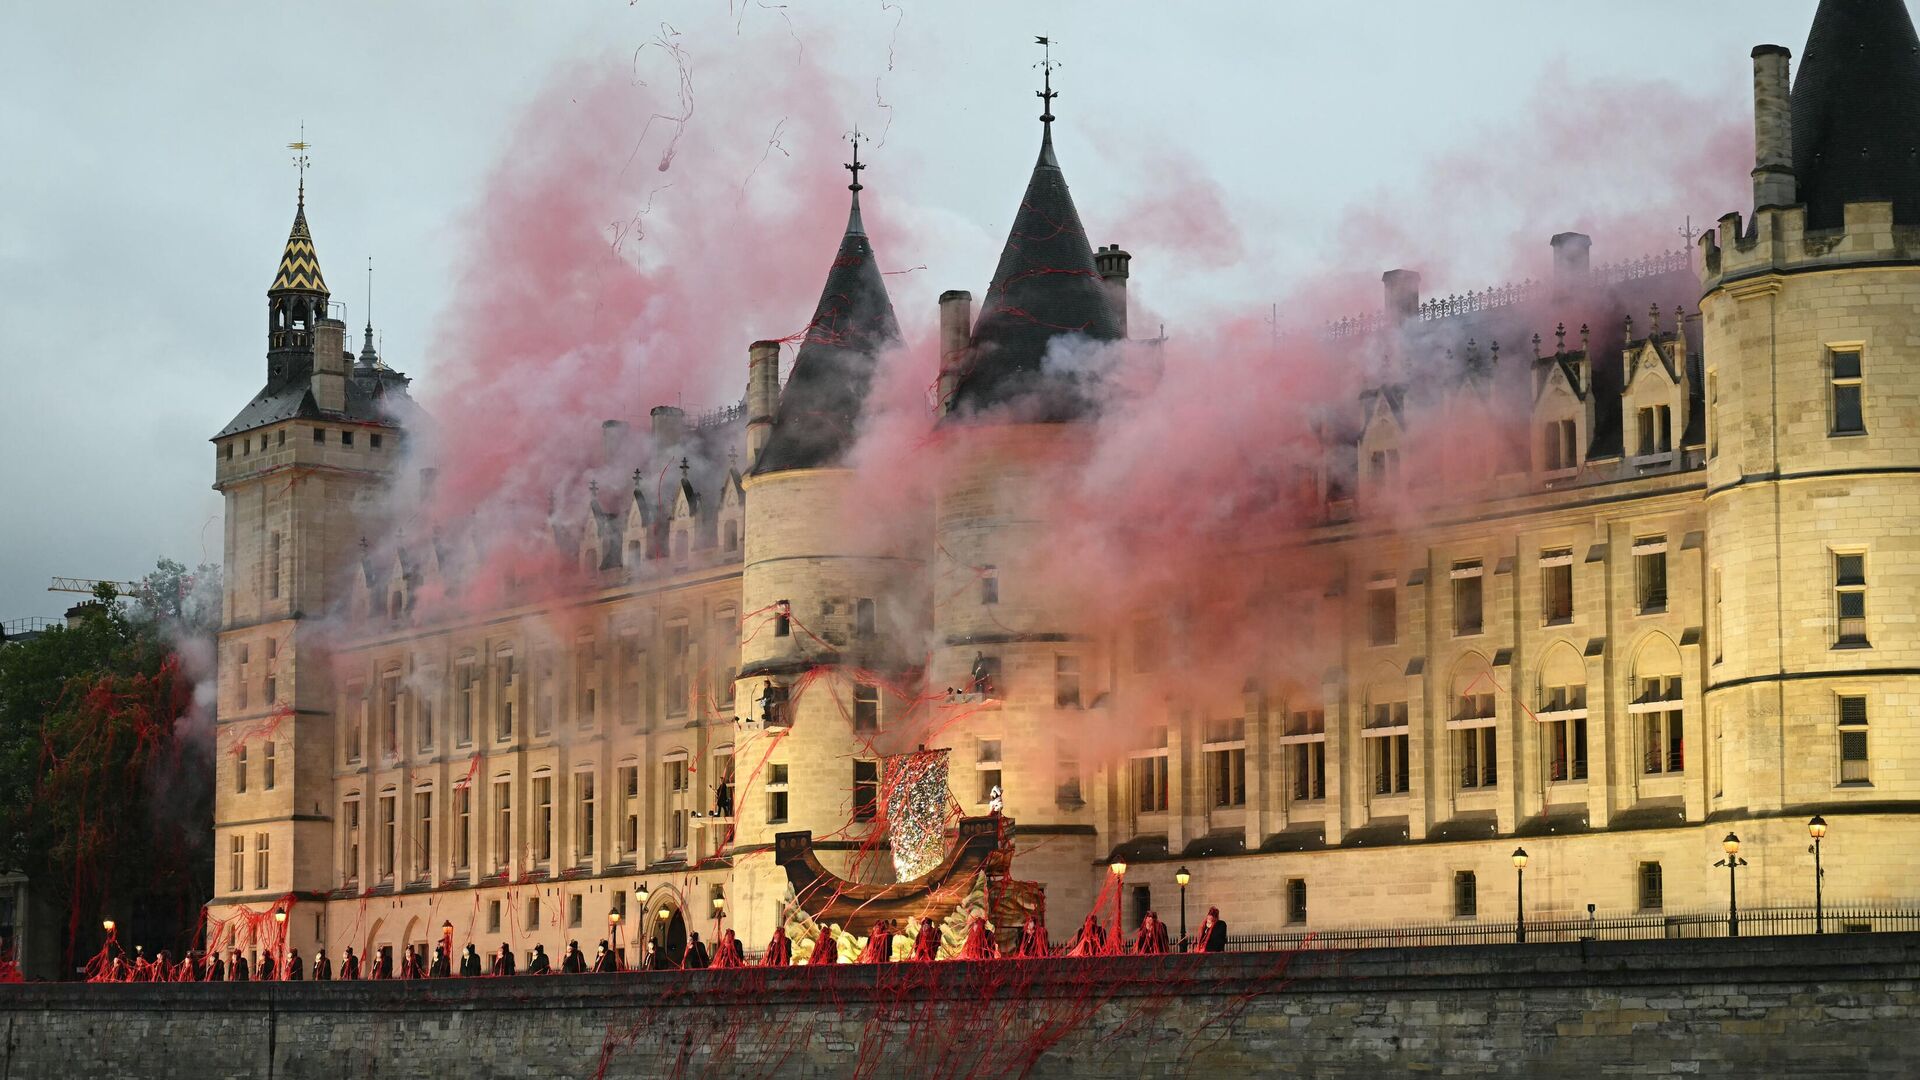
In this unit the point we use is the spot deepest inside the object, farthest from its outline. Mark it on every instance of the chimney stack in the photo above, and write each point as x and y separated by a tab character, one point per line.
613	437
1773	181
1571	252
1112	264
763	395
1403	295
956	328
669	426
330	364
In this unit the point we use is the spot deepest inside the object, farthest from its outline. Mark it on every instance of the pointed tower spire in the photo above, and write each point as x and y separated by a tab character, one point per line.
369	356
1045	286
820	408
1856	111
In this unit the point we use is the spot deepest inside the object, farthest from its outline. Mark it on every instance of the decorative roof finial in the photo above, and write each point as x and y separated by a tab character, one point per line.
636	479
855	227
1560	339
1536	346
1629	328
683	469
1653	314
1583	337
300	160
1046	66
1046	96
367	353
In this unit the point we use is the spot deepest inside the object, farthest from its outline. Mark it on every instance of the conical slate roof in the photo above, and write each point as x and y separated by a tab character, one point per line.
820	407
1856	111
1046	286
299	265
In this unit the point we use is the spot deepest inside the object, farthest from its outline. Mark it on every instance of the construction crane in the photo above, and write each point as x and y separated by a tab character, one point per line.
87	585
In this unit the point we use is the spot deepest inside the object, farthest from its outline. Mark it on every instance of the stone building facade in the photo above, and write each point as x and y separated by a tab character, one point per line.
1680	610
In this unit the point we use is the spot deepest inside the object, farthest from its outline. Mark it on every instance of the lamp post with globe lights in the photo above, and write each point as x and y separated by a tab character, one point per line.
1733	862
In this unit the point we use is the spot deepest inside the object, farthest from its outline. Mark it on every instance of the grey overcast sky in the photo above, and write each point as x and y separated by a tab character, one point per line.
145	194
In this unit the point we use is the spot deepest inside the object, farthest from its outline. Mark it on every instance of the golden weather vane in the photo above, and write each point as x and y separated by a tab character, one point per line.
856	139
300	159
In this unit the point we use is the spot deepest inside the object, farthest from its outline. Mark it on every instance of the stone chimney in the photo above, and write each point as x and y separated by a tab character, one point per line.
1571	257
330	364
956	329
613	438
763	395
1402	295
669	426
1773	180
1112	264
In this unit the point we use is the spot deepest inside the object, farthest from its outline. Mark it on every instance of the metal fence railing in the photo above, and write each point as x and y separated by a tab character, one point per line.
1646	925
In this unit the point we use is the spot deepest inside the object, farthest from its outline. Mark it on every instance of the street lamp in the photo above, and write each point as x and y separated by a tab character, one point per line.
613	930
640	893
1520	894
1118	868
1733	862
1817	828
107	925
1182	877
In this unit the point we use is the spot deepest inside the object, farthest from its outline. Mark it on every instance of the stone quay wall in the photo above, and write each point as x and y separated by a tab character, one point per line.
1832	1006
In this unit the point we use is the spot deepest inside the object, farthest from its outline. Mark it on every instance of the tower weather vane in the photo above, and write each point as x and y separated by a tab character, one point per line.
856	139
1046	66
300	159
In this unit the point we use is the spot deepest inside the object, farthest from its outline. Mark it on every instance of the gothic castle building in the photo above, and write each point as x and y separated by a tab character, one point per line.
1684	610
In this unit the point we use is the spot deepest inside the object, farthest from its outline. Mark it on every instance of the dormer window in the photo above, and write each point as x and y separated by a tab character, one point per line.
1383	466
1656	430
1559	446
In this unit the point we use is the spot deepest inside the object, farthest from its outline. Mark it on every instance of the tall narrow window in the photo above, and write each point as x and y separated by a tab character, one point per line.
863	618
1150	784
262	859
1563	723
509	689
583	832
240	769
989	584
679	649
469	689
244	683
866	790
1653	890
350	844
1719	624
1850	600
423	834
423	713
1391	772
866	707
1227	777
1309	758
390	714
389	836
629	810
1383	612
1650	573
1466	598
502	824
1713	415
542	819
1853	740
267	774
273	566
237	862
1296	900
776	794
1556	586
1663	740
1383	466
1848	416
1475	744
1066	681
1656	430
1466	894
462	827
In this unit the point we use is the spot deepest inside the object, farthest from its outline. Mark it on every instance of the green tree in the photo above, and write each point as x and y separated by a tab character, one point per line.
106	763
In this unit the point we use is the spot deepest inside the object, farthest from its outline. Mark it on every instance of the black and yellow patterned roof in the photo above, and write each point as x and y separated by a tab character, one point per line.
299	266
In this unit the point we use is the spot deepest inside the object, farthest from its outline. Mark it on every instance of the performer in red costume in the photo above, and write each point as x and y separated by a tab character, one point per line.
979	944
349	966
1089	940
696	953
1033	940
573	963
322	967
826	947
1151	938
604	961
779	949
726	951
1212	936
503	960
926	943
879	948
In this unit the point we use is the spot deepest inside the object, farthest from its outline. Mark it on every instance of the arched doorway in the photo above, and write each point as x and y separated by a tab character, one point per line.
670	936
